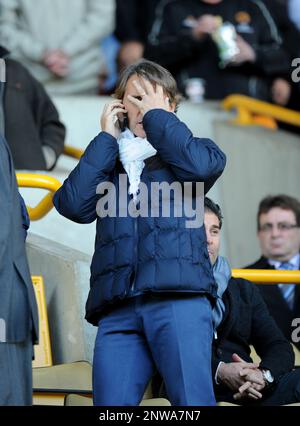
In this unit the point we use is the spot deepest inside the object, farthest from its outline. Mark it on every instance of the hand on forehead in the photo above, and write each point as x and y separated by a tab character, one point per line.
146	95
145	86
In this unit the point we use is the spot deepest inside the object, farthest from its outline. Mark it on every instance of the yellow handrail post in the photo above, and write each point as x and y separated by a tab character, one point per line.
243	116
267	276
31	180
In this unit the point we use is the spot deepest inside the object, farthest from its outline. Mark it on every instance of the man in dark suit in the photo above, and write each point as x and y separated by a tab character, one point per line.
242	318
278	231
18	310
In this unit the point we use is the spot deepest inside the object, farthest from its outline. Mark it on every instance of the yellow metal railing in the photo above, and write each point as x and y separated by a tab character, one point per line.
73	152
267	276
31	180
254	112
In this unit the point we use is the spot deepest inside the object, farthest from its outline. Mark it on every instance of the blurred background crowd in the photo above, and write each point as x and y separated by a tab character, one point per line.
81	46
214	48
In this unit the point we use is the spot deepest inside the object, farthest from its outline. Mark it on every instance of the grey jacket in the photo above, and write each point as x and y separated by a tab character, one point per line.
77	27
18	310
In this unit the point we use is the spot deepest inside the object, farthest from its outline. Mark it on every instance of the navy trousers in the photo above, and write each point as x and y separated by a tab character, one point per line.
171	333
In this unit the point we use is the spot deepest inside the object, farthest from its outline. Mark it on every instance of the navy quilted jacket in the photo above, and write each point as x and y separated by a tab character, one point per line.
136	255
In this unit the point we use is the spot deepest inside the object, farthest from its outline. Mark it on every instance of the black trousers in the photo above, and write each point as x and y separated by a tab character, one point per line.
286	391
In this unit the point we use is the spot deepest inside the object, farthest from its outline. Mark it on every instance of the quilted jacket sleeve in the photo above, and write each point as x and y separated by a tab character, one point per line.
25	216
275	351
77	198
192	159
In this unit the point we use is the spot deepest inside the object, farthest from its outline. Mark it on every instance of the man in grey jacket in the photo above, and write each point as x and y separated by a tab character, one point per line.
18	310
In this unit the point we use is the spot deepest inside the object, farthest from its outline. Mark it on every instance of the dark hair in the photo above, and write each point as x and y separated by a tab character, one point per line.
153	72
214	208
284	202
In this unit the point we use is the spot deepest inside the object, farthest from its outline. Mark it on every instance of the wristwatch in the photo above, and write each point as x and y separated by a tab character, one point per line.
267	376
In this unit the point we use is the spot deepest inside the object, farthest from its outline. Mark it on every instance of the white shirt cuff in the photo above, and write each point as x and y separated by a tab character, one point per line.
49	155
216	375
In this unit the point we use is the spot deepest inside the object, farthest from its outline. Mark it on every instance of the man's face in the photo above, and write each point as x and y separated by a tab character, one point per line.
135	118
213	233
279	238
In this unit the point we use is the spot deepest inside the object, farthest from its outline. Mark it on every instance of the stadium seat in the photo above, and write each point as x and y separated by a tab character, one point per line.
78	400
51	383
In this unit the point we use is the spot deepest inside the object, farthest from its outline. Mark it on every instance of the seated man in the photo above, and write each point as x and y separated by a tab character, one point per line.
30	121
278	231
242	318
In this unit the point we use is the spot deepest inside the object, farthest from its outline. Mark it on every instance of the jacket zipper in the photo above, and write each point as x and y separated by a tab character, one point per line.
132	288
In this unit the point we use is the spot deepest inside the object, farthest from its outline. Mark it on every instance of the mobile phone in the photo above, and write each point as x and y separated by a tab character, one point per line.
123	121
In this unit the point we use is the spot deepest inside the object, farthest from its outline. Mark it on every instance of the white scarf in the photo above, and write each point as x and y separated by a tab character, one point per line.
132	152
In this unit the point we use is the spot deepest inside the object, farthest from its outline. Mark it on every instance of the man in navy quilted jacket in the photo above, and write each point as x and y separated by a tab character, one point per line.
152	286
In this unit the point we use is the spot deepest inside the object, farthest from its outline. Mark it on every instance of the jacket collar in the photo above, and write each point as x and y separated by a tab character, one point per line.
262	263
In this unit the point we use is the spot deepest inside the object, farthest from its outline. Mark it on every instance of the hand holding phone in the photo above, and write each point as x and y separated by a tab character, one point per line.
110	122
123	122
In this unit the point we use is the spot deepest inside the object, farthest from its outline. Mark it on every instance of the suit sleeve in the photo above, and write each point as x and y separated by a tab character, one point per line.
77	198
25	216
192	159
172	44
51	130
275	351
127	20
271	56
215	362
